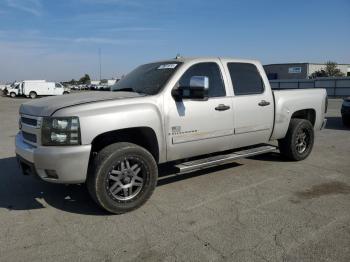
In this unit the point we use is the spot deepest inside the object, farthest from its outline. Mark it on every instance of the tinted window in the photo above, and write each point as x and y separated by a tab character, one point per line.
245	78
58	85
210	70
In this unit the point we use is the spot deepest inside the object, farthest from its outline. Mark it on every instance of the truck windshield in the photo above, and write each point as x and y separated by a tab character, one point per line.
147	79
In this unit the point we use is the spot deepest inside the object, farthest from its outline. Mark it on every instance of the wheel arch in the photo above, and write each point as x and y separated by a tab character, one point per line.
307	114
143	136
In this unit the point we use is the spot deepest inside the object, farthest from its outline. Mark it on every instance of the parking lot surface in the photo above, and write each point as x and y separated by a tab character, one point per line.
258	209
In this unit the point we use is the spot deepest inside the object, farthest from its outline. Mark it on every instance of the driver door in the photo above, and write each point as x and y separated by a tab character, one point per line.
197	127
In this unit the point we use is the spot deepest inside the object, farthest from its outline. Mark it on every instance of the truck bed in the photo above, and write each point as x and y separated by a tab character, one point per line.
289	101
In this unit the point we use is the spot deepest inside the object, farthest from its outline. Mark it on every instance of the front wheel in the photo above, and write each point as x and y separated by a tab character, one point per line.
13	95
122	177
299	140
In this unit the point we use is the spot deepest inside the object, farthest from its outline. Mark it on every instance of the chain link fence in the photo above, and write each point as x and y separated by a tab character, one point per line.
338	87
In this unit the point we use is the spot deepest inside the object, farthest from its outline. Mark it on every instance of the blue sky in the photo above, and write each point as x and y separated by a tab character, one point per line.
59	40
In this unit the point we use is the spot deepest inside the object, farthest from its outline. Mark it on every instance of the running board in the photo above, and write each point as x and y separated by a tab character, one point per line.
222	159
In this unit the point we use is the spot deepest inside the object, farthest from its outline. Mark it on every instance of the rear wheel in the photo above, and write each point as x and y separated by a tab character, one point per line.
346	121
32	95
12	94
299	140
122	177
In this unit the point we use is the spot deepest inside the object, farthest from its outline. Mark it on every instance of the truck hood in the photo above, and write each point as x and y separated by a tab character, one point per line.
48	105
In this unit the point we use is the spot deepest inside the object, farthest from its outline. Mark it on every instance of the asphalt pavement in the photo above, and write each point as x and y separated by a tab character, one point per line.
258	209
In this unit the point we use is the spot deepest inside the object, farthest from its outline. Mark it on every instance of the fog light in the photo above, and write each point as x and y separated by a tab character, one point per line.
51	174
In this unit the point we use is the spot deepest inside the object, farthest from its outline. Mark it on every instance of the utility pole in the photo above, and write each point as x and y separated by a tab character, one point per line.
99	59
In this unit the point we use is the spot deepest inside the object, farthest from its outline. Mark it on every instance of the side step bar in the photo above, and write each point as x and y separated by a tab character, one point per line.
222	159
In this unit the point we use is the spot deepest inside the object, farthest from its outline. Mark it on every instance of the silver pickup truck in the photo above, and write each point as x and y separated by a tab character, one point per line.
191	112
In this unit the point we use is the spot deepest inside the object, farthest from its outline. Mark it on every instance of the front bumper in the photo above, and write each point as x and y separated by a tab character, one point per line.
69	164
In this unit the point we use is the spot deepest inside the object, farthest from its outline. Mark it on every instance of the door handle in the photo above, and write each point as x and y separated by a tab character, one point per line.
263	103
222	107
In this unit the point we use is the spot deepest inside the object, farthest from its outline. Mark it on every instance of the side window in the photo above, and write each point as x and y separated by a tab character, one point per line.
212	71
58	85
246	79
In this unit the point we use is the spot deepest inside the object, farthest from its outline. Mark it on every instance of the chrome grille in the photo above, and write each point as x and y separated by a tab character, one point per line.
30	137
29	121
31	129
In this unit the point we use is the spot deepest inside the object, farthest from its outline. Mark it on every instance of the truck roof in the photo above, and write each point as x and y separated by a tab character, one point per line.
203	59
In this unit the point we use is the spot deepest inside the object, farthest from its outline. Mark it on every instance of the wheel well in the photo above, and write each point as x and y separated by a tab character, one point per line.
308	114
142	136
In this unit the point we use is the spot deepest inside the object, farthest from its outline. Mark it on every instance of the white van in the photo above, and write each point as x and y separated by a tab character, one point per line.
34	88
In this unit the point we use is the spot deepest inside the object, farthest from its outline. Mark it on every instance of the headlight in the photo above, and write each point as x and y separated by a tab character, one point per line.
60	131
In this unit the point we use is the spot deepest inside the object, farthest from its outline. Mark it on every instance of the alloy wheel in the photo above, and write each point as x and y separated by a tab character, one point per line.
126	179
302	140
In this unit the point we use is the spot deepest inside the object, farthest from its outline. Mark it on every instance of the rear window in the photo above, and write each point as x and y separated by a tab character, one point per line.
246	79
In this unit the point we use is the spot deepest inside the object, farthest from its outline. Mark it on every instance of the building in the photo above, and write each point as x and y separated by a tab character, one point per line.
298	70
95	82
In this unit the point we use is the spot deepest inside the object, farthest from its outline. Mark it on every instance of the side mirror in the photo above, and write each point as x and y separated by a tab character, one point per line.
198	89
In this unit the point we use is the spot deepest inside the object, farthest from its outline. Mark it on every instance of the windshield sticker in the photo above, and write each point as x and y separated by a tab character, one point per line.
167	66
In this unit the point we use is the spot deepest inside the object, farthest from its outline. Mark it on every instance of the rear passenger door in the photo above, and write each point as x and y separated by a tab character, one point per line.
253	105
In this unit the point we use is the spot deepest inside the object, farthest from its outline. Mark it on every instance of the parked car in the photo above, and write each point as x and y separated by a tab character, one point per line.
345	111
178	111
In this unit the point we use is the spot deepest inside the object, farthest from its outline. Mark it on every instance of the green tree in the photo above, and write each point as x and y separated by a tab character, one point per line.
331	69
72	82
85	79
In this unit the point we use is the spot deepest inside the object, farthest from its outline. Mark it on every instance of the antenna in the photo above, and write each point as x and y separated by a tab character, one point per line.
99	60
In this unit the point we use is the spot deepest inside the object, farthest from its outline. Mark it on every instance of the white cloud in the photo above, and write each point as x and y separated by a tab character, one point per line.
33	7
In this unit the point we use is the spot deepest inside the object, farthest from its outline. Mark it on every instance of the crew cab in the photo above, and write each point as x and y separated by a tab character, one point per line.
191	112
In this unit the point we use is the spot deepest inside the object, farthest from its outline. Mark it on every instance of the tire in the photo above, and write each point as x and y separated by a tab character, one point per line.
299	140
109	184
13	95
346	121
32	95
65	93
